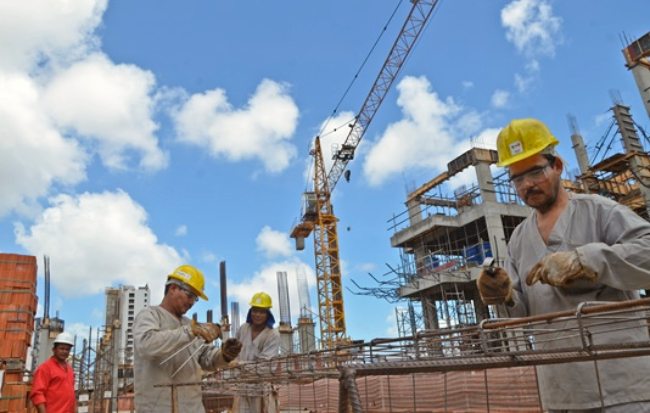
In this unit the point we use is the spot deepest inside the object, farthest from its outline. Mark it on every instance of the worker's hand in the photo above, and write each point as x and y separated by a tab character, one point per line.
230	349
494	286
208	331
560	269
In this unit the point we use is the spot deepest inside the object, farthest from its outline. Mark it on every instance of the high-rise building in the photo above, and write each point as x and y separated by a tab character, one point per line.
131	300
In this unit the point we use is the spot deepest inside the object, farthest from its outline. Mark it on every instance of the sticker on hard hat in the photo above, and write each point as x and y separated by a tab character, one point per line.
183	275
516	148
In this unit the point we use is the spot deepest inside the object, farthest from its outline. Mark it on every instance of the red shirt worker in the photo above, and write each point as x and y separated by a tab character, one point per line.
53	387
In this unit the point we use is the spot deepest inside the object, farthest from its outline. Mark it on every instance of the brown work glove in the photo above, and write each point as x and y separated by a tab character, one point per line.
230	349
560	269
208	331
494	286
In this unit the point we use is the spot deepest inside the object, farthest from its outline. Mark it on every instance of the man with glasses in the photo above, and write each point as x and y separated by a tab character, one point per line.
573	248
172	349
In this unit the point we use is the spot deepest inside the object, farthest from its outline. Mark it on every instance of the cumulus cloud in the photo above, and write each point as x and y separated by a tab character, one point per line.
110	104
96	240
425	138
500	98
531	26
34	155
33	30
273	243
260	130
266	280
181	231
78	330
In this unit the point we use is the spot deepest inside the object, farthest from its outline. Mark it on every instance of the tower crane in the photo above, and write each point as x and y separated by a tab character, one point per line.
318	215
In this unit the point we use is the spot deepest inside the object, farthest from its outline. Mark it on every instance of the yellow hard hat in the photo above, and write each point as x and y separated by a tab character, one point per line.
521	139
191	276
261	300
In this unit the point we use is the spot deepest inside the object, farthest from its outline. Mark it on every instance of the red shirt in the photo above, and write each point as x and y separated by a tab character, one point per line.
54	386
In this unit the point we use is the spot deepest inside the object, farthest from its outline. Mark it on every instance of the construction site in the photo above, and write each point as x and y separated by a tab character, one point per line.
453	353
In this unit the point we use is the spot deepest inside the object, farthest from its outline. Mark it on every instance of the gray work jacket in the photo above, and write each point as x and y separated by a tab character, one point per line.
157	334
614	242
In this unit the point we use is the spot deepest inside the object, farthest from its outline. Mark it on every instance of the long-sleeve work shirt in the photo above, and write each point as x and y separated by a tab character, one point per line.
53	386
158	334
614	242
265	346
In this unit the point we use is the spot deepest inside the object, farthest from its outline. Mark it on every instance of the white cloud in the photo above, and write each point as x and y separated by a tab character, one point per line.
80	330
487	138
391	324
181	231
367	266
532	27
467	84
500	98
98	240
260	130
425	138
33	30
208	257
110	104
273	243
33	154
266	280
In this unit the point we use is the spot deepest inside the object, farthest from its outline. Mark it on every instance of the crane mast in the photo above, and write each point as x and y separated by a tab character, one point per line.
318	214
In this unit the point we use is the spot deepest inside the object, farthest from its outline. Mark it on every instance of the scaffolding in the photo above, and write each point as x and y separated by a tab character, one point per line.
445	234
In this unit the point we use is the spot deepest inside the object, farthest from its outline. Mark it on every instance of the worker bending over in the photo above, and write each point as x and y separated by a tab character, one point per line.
160	331
260	341
53	386
571	249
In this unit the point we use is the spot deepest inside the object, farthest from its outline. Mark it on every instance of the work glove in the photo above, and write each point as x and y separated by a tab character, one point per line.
560	269
494	286
208	331
230	349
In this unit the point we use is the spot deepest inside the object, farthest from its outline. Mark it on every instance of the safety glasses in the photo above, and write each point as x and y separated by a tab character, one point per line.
534	175
188	293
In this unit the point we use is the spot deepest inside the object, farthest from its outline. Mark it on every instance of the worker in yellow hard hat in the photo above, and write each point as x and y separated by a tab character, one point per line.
571	249
172	349
260	342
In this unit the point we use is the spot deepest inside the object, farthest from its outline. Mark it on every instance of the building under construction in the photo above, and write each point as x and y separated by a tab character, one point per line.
444	238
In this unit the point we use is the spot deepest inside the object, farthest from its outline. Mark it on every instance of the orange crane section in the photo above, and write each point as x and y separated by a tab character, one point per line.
318	214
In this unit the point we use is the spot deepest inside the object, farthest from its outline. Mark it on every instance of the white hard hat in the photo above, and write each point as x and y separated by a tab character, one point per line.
64	338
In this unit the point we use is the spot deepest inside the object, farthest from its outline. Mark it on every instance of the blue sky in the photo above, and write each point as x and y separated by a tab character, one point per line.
139	135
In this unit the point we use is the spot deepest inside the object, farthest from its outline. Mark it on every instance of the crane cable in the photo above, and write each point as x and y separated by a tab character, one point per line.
358	72
322	132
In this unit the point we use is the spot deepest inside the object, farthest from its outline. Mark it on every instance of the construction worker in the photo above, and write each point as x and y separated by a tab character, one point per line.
160	332
573	248
260	341
53	385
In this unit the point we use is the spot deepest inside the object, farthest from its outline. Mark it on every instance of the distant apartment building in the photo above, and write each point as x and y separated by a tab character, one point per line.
130	300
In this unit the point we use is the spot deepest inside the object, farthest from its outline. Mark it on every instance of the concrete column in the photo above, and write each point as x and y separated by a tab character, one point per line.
414	211
632	144
484	179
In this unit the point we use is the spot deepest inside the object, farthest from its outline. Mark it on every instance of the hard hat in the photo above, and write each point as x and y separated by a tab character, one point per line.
521	139
191	276
261	300
64	338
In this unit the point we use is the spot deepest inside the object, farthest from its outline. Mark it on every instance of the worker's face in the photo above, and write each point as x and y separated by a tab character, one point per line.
537	181
259	316
182	299
61	351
